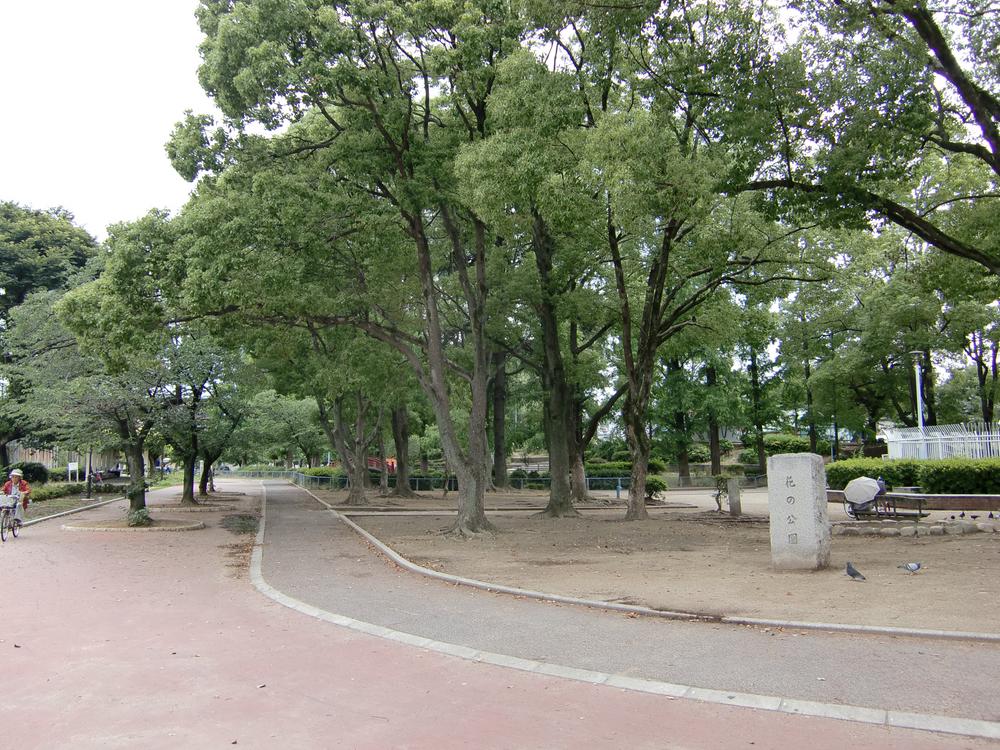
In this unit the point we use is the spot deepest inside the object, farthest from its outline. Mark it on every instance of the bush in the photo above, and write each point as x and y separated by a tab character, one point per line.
610	469
33	472
57	489
654	486
656	466
699	454
961	476
903	472
621	456
748	456
139	517
59	474
726	446
324	471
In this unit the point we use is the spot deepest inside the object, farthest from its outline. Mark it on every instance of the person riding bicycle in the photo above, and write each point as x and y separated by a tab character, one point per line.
20	490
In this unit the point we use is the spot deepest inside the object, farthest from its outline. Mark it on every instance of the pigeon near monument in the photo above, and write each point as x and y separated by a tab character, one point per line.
854	573
912	567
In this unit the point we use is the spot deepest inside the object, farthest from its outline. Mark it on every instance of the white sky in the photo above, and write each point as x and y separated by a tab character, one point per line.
91	91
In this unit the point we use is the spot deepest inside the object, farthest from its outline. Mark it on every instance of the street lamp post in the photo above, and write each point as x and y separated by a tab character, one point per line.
920	402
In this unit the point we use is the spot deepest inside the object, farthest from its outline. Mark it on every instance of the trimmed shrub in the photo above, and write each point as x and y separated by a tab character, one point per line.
726	446
656	466
699	454
324	471
59	474
960	476
610	469
620	456
654	486
903	472
33	472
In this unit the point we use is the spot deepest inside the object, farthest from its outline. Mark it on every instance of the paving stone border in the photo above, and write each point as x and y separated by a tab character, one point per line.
910	529
160	525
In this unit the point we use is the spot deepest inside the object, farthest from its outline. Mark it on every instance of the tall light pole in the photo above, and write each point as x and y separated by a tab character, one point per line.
920	403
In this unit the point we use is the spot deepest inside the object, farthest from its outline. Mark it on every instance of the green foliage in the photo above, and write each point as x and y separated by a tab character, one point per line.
33	472
726	446
654	486
139	517
897	473
609	469
961	476
784	443
324	471
699	454
57	489
657	466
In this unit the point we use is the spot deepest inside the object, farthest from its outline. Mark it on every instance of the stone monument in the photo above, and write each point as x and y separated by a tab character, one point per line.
796	499
733	493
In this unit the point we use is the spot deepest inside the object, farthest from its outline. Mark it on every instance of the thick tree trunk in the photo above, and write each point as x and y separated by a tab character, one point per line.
638	443
206	473
929	391
187	496
401	439
714	444
558	405
136	491
500	478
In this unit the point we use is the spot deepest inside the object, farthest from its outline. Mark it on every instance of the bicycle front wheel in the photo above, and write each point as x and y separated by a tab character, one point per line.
15	526
4	520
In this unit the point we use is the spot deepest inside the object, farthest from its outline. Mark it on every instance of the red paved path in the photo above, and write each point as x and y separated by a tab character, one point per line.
150	641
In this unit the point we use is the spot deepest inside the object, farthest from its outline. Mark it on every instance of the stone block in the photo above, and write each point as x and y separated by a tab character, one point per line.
796	498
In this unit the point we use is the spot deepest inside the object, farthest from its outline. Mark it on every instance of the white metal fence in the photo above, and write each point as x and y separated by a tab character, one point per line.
972	440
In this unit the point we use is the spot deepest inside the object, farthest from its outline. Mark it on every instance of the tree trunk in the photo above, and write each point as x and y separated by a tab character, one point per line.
554	384
638	443
810	417
401	439
4	454
500	478
187	496
206	474
383	472
930	398
136	491
714	444
758	422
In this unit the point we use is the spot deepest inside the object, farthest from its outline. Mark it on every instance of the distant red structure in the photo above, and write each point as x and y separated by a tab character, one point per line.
376	464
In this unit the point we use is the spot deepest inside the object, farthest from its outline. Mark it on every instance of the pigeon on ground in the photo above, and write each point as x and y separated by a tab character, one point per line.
953	518
854	573
962	514
911	567
973	517
990	515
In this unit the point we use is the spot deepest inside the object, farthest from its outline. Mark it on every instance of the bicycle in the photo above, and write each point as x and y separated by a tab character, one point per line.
8	522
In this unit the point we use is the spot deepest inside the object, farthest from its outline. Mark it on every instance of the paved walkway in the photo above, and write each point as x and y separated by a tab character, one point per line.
148	640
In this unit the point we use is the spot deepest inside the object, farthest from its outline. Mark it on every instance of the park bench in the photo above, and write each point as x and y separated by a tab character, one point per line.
882	507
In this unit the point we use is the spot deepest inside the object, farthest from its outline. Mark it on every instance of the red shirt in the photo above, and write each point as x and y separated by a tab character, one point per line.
22	486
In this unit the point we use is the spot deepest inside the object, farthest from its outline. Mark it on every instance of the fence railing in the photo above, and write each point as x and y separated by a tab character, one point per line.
972	440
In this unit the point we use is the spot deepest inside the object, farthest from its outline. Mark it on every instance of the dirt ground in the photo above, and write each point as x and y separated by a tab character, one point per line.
688	557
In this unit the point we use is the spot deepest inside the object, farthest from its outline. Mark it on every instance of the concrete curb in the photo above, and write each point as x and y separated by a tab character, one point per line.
666	614
924	722
187	526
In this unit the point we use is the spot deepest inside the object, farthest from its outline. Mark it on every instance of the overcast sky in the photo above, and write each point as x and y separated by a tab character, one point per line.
91	90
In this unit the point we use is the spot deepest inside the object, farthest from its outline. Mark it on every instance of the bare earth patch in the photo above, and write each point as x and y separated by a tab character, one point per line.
697	560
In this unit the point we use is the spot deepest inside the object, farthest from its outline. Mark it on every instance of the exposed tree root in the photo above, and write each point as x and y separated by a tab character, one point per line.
464	531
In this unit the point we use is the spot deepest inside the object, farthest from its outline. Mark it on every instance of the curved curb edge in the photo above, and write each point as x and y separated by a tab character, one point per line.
898	719
33	521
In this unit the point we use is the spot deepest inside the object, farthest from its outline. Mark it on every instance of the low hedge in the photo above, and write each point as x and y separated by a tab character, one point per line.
957	476
897	473
961	476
